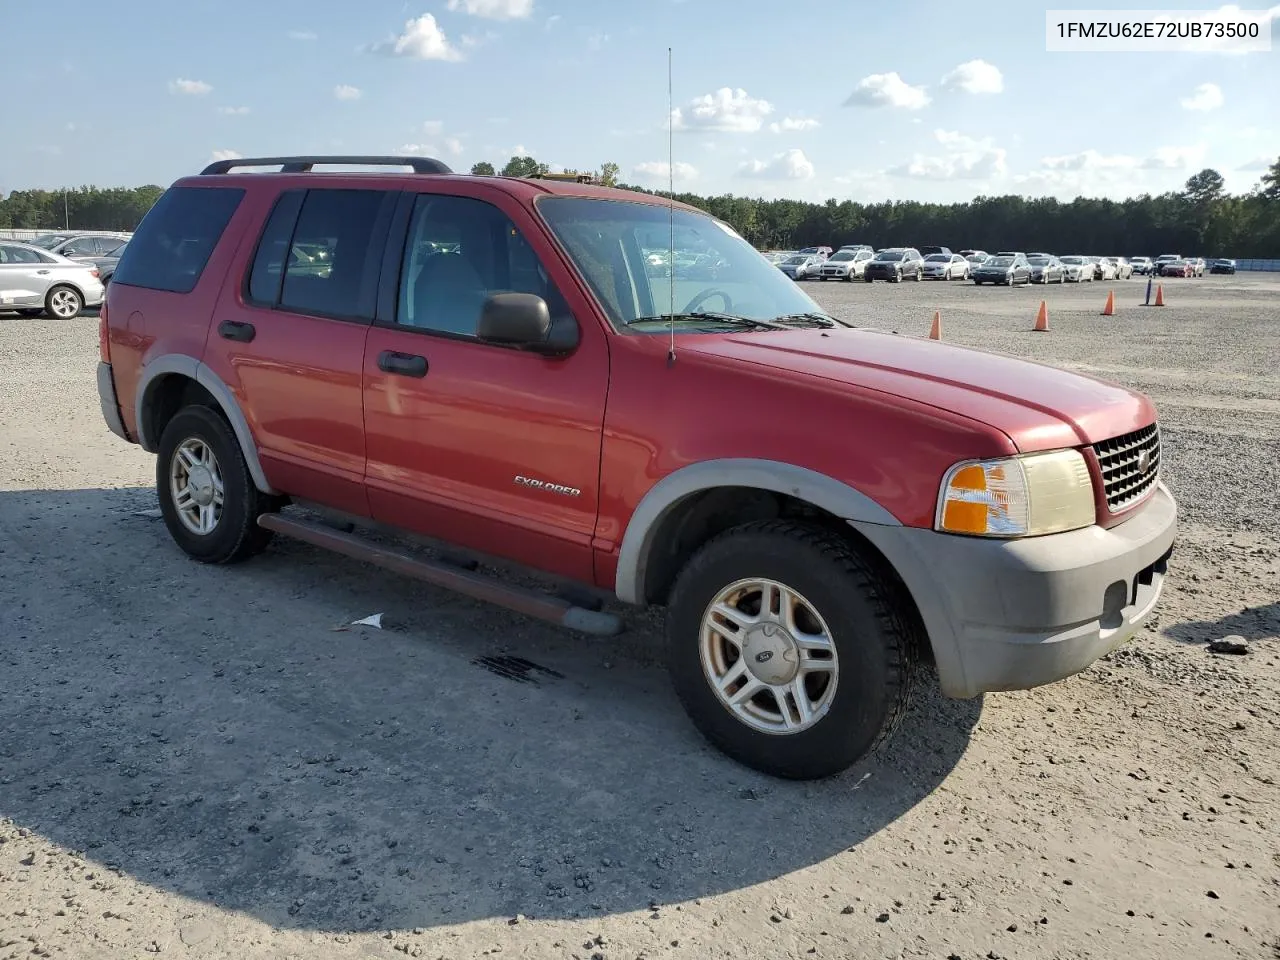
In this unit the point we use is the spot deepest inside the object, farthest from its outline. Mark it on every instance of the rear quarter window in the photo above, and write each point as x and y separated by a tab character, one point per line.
173	243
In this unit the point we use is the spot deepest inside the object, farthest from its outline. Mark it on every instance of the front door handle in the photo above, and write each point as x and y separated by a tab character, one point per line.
42	272
404	364
234	330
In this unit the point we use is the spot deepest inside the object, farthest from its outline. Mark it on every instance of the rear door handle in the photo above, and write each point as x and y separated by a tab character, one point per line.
42	272
234	330
404	364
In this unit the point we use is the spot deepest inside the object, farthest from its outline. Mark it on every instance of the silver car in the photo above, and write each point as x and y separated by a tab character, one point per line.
802	266
80	246
34	281
845	265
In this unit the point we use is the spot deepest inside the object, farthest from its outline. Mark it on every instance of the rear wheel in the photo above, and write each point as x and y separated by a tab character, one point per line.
64	302
791	651
207	496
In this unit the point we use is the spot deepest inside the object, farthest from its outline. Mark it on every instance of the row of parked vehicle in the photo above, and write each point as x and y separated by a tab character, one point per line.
860	261
58	274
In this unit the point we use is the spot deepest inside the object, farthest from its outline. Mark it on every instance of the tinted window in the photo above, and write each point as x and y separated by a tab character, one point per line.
890	255
268	261
84	247
938	258
107	246
20	255
329	271
176	238
459	251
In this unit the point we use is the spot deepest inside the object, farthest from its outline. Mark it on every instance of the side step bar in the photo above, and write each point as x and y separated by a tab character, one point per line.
451	577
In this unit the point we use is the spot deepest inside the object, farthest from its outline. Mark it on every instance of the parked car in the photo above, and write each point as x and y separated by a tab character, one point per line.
970	254
512	398
976	259
1103	269
1198	266
1177	268
107	265
845	265
1079	269
80	246
895	264
946	266
1160	261
1222	265
855	247
802	266
1047	269
1123	268
1010	267
1141	265
822	252
34	282
930	251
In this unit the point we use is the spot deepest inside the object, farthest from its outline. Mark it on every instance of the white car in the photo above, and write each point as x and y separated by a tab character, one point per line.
801	266
1079	269
946	266
1140	265
1123	268
1103	269
845	265
35	281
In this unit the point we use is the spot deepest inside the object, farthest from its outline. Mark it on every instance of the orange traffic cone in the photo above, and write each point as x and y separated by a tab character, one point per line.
935	332
1042	319
1110	309
1159	295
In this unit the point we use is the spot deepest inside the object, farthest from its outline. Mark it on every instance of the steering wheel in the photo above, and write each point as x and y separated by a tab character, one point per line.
706	295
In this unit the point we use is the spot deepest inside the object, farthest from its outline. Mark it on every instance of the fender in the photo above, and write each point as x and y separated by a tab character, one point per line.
808	485
193	369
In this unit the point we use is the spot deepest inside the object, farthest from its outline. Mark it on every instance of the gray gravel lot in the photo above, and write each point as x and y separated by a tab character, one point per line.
205	762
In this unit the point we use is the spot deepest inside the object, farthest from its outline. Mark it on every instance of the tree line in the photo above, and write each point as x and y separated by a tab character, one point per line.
1200	220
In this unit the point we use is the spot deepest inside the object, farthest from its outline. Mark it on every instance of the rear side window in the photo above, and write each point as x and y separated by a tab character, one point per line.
173	243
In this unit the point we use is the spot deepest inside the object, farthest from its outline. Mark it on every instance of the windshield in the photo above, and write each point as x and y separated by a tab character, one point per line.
841	257
1071	260
49	240
937	258
889	255
1039	261
1000	262
604	238
796	260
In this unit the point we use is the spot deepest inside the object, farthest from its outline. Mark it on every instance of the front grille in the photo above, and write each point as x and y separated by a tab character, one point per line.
1126	479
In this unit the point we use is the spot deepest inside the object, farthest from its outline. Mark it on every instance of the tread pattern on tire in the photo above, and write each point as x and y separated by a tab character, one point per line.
891	605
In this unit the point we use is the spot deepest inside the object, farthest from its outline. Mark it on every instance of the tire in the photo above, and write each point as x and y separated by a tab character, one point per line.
869	622
897	277
234	535
63	302
919	275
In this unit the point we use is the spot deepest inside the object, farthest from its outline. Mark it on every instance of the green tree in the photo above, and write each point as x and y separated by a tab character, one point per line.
1205	187
482	169
609	174
1271	182
523	167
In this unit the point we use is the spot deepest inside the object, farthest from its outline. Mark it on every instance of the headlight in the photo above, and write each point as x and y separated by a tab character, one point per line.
1025	496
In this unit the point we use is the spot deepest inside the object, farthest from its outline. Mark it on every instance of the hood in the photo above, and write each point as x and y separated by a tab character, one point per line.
1039	407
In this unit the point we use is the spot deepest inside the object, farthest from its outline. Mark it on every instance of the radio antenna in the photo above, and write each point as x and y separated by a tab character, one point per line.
671	211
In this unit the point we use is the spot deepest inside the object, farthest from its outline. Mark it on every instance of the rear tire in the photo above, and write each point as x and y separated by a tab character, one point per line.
200	458
854	702
63	302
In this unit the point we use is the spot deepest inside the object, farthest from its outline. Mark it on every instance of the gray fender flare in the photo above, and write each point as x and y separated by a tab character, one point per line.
193	369
808	485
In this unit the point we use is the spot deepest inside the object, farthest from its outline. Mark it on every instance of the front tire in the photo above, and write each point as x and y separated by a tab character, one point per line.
806	684
207	496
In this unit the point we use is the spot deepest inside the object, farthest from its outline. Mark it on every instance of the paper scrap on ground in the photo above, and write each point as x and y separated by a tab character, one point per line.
153	514
373	621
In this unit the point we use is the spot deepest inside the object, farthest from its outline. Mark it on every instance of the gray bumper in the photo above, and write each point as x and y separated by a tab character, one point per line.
1010	615
107	399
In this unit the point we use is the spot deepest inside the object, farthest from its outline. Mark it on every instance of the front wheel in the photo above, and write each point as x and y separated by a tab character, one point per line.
207	496
919	275
790	650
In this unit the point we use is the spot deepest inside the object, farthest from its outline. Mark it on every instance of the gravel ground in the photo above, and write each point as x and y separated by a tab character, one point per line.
206	762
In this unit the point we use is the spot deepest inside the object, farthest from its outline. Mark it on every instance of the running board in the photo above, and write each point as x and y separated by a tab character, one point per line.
449	576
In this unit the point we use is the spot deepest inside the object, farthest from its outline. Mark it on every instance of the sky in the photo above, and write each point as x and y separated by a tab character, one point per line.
922	100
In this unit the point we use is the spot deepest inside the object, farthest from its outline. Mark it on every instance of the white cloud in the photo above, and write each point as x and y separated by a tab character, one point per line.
195	88
963	158
226	155
1207	96
789	165
301	35
417	150
729	110
658	171
433	127
1091	160
596	40
1224	45
422	39
887	90
233	111
552	21
975	76
1258	163
794	124
453	145
344	91
1093	173
1175	158
494	9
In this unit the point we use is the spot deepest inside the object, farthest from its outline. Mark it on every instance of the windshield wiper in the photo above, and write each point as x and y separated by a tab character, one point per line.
704	316
820	319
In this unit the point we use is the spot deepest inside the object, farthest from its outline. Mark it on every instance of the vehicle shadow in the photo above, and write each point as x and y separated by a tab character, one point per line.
1252	623
224	734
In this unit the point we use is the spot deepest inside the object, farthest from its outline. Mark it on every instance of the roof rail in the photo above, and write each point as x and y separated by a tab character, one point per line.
304	164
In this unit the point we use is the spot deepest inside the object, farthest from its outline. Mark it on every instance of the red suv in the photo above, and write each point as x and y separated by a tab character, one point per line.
495	363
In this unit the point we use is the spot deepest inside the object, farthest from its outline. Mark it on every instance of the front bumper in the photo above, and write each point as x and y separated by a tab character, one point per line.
107	399
1016	614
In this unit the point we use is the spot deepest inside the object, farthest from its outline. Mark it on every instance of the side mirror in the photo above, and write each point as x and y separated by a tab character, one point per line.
523	320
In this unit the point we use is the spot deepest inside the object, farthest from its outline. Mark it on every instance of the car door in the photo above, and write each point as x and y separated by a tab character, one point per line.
486	446
25	276
289	340
81	248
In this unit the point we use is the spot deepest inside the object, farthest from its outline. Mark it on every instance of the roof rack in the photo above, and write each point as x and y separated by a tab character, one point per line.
566	177
304	164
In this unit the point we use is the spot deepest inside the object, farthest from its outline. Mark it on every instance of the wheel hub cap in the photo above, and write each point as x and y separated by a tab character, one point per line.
770	654
200	482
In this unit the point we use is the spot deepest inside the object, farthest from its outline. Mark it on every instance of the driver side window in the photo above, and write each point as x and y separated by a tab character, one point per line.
459	251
